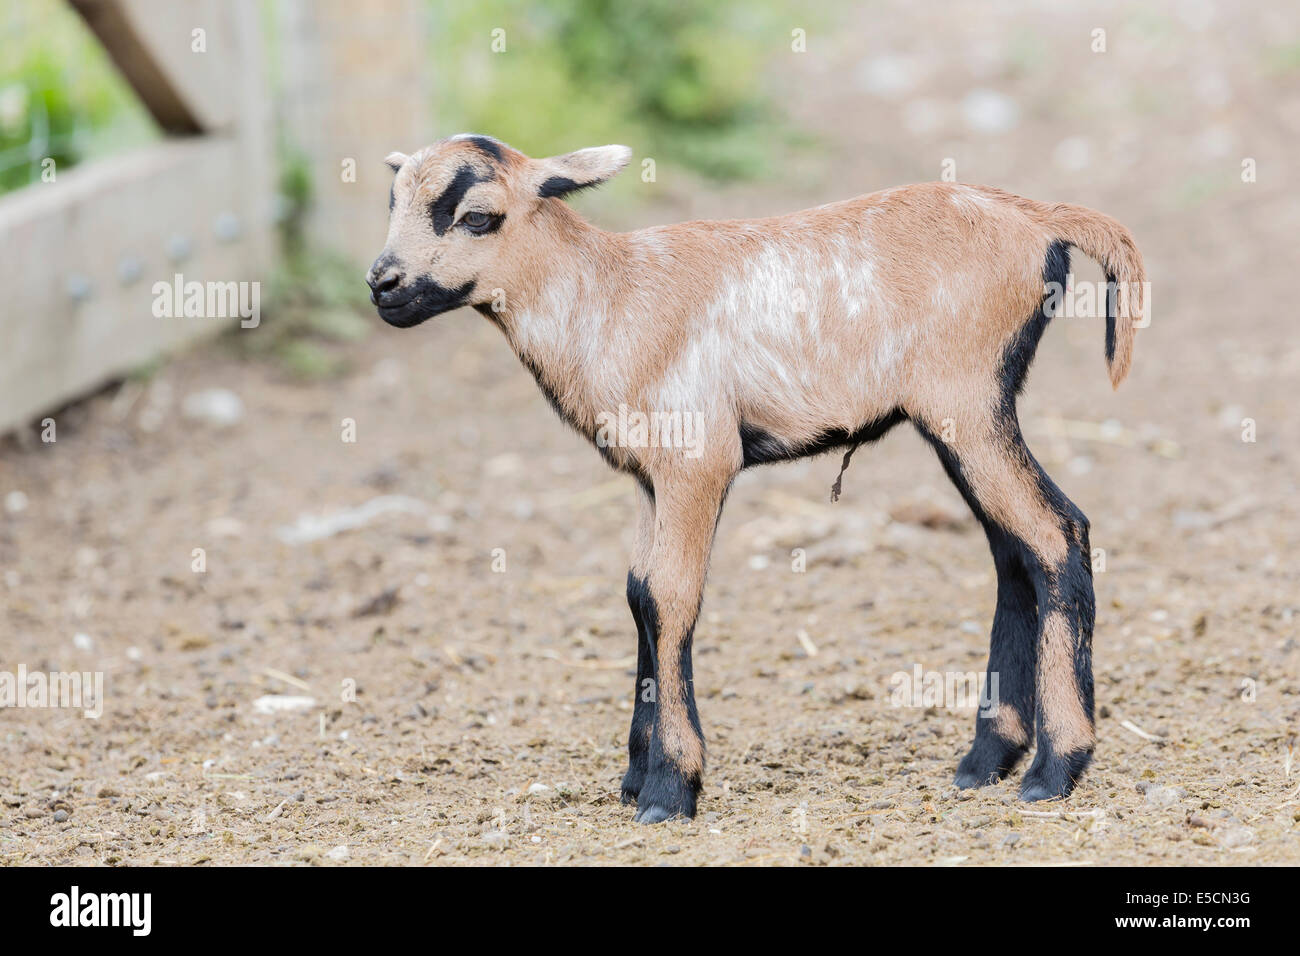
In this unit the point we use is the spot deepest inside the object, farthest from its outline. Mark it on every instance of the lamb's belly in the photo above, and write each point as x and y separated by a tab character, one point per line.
844	375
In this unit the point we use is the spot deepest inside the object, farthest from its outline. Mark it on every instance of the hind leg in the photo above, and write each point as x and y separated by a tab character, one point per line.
1002	730
1002	727
1066	728
1041	647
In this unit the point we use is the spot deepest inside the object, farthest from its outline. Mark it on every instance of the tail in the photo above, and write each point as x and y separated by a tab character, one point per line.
1111	245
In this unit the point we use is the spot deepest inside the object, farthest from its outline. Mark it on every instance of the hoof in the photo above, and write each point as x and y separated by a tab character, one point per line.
655	814
666	796
989	760
966	780
1051	776
1033	792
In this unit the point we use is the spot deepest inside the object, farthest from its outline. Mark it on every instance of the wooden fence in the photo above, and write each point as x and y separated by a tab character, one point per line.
80	256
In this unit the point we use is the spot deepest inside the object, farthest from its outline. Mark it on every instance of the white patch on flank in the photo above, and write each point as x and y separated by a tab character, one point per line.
940	299
887	360
855	272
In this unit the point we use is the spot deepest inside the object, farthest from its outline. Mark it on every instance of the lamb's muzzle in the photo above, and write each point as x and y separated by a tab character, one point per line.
774	339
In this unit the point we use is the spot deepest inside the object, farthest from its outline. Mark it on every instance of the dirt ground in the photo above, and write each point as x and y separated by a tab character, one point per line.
491	704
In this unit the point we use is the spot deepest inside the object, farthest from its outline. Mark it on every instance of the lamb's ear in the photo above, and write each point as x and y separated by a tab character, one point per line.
395	160
561	175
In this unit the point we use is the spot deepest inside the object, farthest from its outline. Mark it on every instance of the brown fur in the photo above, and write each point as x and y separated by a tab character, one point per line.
1068	726
1008	726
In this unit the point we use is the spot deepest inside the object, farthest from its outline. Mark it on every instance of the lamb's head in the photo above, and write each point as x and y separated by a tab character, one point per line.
466	217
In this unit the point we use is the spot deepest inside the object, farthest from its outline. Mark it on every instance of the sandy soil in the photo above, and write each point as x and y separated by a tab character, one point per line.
491	706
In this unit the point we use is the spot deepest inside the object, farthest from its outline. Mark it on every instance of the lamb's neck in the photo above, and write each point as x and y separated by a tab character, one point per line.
568	328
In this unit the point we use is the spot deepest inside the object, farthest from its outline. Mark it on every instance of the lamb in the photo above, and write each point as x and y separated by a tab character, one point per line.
782	338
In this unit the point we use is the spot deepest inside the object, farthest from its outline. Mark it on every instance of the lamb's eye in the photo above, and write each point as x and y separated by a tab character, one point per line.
477	221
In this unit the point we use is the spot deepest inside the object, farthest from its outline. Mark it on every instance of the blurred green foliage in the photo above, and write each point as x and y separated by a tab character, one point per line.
680	82
60	95
315	305
1284	58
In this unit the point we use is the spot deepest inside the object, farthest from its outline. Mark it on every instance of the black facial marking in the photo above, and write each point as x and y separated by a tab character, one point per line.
443	209
420	300
392	196
487	146
562	186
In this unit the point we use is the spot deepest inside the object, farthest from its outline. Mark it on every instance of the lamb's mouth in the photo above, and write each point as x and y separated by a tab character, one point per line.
420	300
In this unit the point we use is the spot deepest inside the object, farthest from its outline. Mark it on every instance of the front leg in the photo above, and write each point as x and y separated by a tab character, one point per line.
687	513
643	694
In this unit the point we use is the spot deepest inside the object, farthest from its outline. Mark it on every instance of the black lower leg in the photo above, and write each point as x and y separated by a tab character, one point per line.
1003	725
1006	716
1065	717
674	778
643	706
677	564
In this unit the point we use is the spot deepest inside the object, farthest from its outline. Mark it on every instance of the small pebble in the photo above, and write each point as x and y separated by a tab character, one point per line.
216	406
1235	837
1164	796
282	703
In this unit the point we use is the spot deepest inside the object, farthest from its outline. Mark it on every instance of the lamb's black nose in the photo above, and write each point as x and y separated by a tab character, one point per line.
383	279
